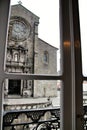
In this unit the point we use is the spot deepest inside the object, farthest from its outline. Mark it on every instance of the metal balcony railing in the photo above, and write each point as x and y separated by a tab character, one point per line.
85	117
36	119
33	119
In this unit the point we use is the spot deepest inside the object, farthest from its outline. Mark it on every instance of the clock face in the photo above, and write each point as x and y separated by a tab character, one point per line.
19	30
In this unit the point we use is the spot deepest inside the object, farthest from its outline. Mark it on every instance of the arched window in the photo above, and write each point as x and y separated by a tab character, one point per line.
46	56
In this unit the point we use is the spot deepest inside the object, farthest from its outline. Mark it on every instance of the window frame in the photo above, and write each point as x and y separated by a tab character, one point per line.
71	105
71	108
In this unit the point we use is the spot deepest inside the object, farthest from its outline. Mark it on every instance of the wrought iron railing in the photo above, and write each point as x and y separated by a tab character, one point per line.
36	119
85	117
33	119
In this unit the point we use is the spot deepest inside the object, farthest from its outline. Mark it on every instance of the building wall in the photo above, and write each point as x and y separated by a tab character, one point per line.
31	59
46	88
49	67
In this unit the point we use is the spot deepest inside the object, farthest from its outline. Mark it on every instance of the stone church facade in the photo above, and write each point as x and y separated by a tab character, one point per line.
27	53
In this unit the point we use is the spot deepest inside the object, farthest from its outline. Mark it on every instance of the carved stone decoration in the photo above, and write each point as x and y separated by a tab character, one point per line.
27	93
19	29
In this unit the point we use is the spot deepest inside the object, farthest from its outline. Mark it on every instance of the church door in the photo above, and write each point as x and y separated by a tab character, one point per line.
14	87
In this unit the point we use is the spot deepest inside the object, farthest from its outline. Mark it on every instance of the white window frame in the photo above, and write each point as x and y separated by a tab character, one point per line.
71	96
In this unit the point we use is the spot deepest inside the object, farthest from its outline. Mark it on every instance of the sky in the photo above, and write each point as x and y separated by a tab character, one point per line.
48	11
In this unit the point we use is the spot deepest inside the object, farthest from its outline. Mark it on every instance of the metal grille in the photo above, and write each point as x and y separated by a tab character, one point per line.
34	120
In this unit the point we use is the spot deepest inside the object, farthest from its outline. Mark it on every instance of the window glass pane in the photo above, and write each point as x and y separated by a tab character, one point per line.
85	103
32	93
33	35
85	93
83	26
33	47
36	95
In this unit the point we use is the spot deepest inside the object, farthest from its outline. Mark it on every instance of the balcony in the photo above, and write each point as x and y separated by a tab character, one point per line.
36	119
33	119
23	104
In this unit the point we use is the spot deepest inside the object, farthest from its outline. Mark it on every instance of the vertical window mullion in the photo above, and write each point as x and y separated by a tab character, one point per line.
78	66
66	93
71	108
4	15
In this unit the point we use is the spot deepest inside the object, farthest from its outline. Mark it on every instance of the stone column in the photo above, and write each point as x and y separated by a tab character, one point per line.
36	68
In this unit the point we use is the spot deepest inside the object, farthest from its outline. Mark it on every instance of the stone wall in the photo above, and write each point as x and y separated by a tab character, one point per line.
33	52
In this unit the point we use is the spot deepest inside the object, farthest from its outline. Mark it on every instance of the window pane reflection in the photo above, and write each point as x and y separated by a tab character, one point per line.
33	39
85	93
32	93
83	25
